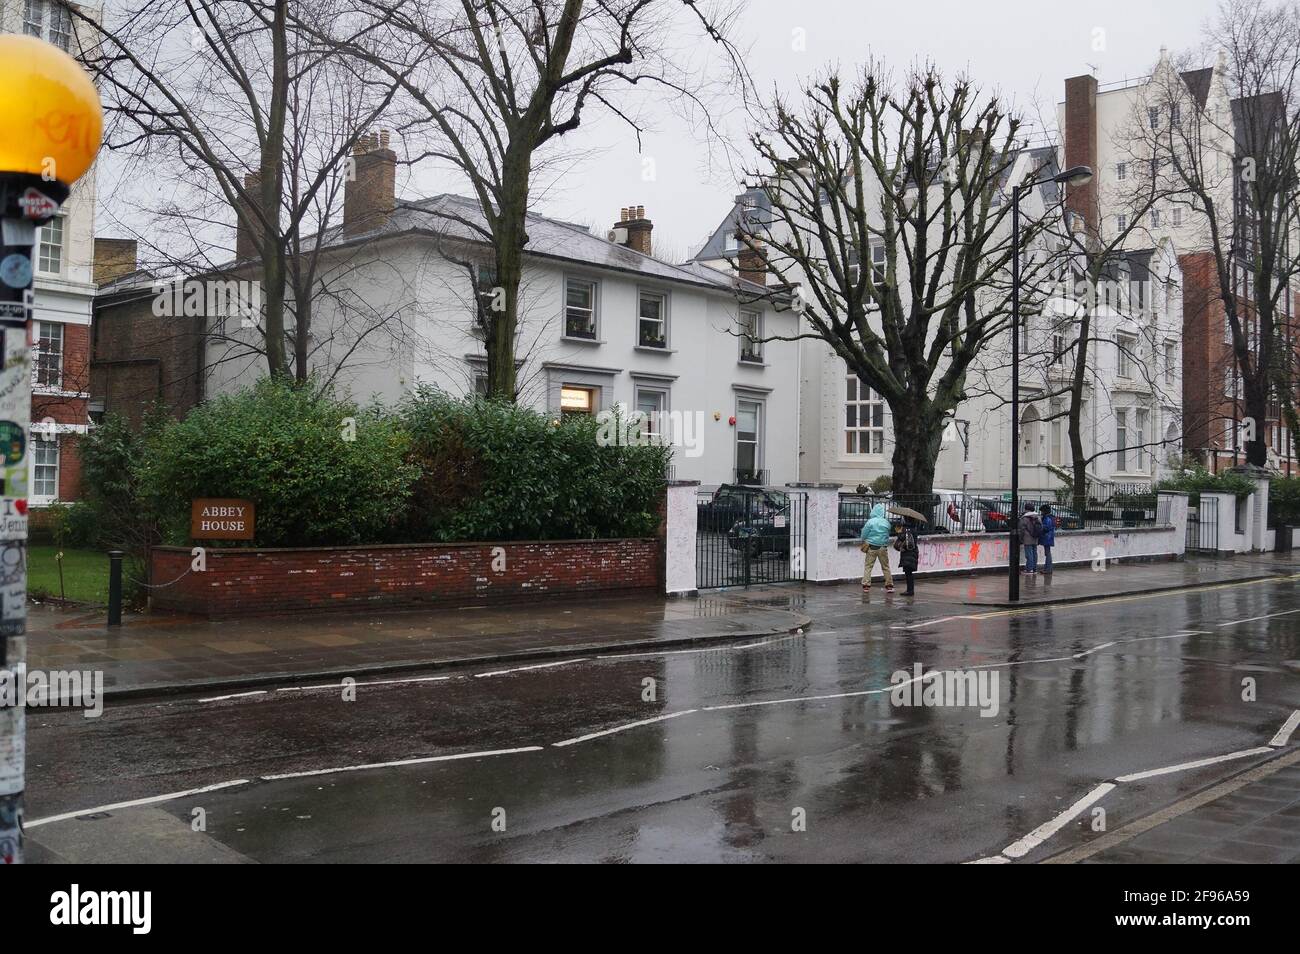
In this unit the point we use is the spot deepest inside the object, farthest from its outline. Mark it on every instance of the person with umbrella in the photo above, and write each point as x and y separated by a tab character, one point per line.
909	553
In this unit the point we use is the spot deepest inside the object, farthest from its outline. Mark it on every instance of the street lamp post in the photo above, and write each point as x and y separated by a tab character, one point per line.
1075	176
50	128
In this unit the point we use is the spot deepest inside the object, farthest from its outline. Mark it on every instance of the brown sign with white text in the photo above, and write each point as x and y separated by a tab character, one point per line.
214	519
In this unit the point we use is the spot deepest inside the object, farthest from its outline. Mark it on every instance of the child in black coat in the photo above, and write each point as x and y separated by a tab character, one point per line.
909	554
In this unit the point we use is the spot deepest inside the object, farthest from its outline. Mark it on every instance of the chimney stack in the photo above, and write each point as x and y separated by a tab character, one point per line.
638	228
370	194
1081	148
113	259
751	263
248	233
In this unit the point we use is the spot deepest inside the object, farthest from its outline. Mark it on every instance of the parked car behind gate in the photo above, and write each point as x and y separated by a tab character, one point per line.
733	502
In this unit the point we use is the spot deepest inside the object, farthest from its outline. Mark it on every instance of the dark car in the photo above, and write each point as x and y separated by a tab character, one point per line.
855	511
732	503
759	535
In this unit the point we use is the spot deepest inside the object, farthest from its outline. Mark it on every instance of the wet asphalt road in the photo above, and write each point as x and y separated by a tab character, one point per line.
1086	692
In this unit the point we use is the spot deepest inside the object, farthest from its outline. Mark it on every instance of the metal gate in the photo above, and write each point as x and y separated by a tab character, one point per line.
1203	526
749	535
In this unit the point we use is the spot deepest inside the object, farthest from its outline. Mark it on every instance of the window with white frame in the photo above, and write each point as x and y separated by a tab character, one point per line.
1171	358
1153	116
652	320
1140	439
1058	348
579	308
1176	215
1155	218
50	20
45	469
1121	222
47	363
749	440
49	247
1121	171
1175	114
1121	441
650	407
1126	350
878	265
751	335
864	419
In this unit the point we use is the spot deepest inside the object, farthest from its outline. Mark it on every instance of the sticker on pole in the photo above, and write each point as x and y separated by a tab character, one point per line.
35	204
16	270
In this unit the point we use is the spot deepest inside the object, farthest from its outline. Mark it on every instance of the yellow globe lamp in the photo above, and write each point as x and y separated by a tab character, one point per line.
51	122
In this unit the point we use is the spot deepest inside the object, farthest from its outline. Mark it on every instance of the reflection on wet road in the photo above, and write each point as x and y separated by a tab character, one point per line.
774	749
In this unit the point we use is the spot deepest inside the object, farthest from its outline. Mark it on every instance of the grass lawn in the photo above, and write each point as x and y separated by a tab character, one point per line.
85	574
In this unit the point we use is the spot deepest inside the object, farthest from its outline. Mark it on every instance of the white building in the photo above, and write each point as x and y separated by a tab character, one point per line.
601	323
846	433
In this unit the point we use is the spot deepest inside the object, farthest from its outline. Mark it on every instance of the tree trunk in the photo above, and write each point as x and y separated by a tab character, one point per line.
272	186
1078	462
915	455
510	235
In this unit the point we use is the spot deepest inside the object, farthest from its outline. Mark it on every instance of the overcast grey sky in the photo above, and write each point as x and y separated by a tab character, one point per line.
1026	49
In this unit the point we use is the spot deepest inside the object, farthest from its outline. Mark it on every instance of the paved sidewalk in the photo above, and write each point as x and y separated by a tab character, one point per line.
165	653
1253	818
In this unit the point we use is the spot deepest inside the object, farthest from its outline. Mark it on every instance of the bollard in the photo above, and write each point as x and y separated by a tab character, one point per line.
114	587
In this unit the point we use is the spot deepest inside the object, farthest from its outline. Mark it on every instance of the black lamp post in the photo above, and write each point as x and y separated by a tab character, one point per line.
1075	176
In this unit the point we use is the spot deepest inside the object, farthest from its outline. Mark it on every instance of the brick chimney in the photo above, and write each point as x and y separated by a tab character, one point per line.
370	196
751	263
248	234
1081	147
113	259
638	228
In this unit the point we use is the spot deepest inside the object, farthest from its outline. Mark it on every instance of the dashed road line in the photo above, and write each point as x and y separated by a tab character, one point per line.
1199	763
1284	734
400	762
134	803
506	672
1022	847
622	728
1238	622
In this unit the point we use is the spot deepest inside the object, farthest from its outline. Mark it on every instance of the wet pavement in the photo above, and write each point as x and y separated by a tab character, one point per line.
779	748
165	653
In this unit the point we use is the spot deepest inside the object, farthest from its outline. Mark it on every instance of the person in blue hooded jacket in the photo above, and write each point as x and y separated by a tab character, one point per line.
875	544
1048	538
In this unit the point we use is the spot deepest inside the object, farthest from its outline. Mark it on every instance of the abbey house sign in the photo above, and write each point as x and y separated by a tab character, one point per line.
213	519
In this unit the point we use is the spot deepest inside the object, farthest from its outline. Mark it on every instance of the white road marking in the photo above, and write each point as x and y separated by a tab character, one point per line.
1199	763
1018	849
623	728
504	672
991	860
234	695
400	762
1088	652
134	803
1238	622
1284	734
336	686
932	622
706	649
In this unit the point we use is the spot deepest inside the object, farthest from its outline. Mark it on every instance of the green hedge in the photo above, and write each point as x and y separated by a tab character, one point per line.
1197	480
1284	500
320	471
433	469
495	471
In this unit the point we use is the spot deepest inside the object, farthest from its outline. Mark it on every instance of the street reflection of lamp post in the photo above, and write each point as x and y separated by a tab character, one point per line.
50	129
1076	176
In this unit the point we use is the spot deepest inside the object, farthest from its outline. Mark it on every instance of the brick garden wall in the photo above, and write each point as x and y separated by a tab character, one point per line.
254	582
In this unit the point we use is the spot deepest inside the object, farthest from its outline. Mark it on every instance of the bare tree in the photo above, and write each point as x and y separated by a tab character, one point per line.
236	109
502	81
1236	162
888	213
